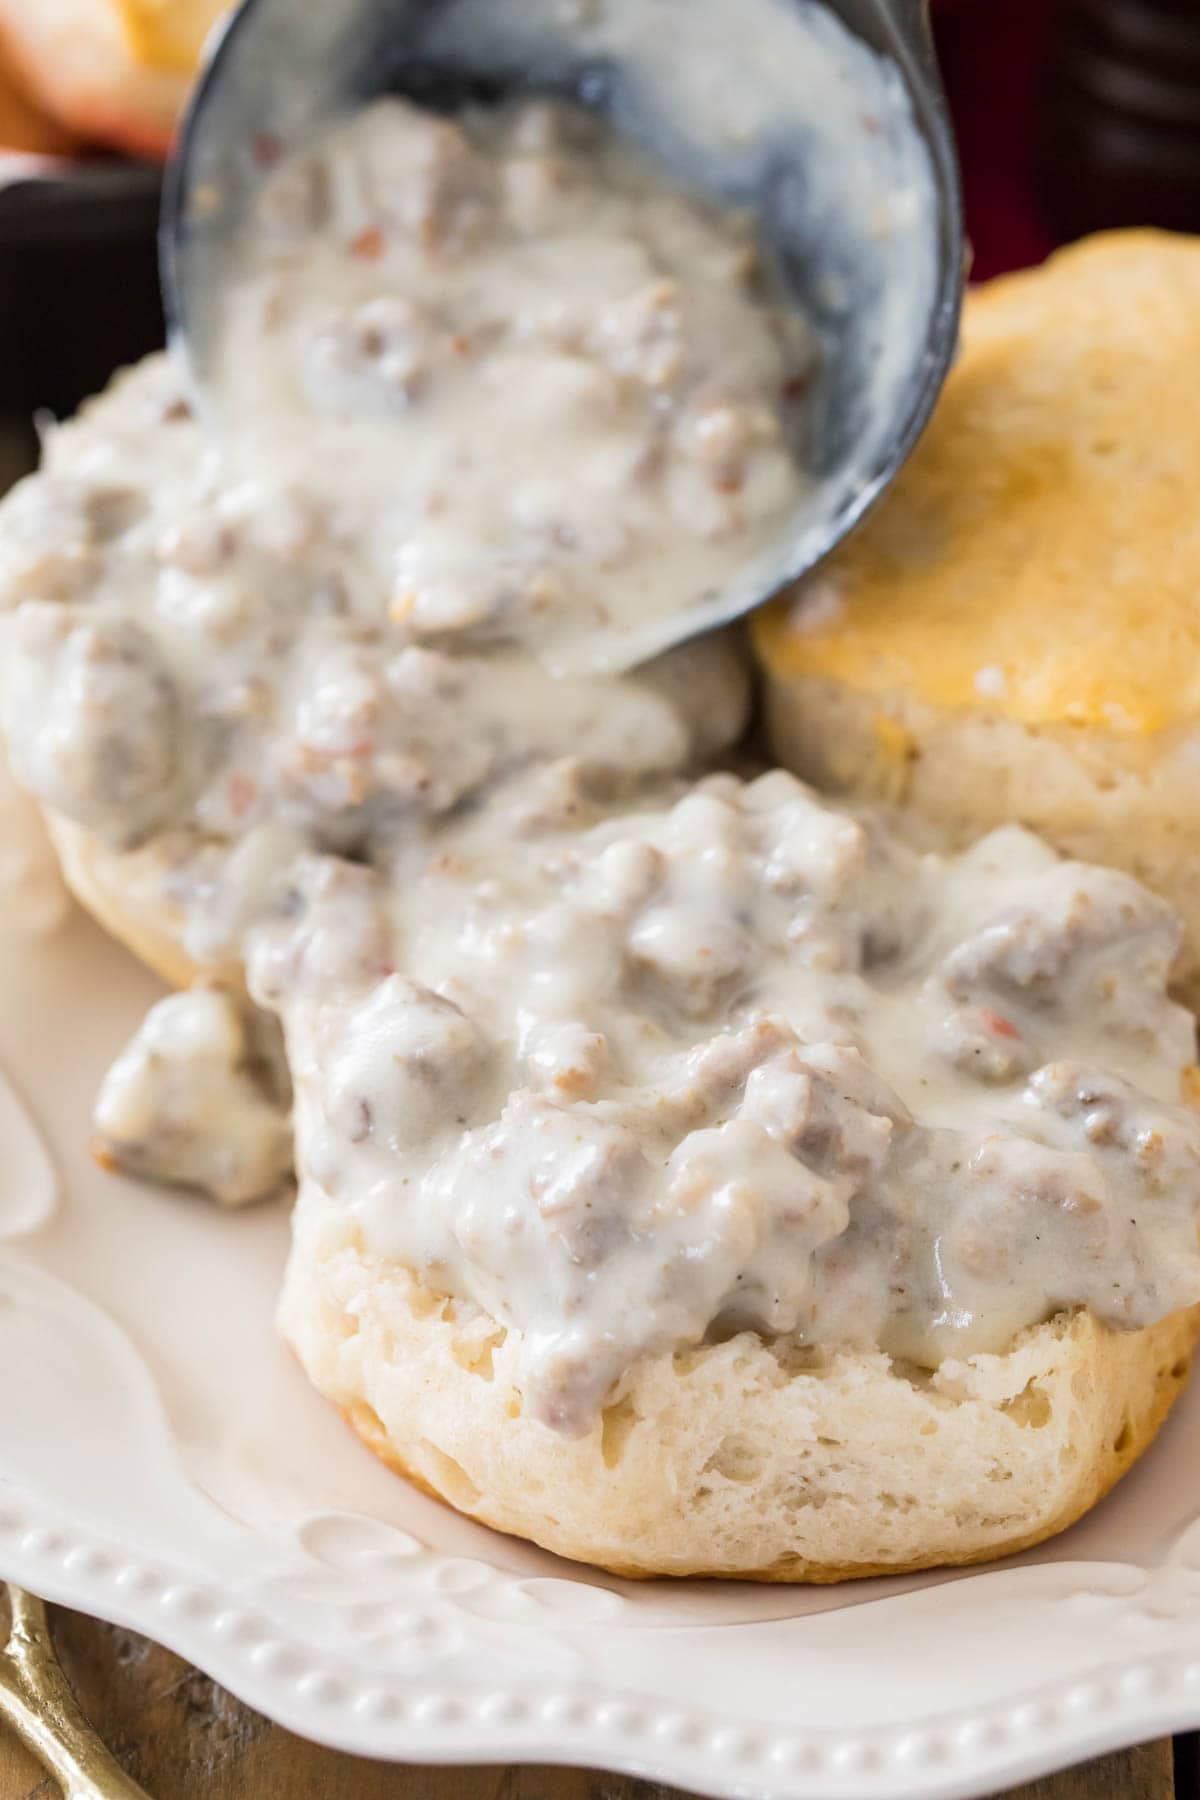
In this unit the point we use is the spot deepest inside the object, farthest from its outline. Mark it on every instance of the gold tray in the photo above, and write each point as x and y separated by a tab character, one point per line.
37	1701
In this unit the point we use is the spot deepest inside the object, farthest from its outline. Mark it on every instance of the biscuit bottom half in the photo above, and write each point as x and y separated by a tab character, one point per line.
754	1459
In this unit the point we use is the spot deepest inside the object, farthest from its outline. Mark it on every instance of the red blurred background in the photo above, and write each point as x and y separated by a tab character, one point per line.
1072	115
994	56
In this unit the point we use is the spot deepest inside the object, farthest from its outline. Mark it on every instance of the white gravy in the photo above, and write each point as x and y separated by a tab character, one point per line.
203	668
769	106
424	305
625	1054
738	1060
200	1098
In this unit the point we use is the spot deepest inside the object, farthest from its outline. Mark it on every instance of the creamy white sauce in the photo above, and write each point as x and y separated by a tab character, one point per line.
204	667
763	87
200	1097
626	1059
741	1061
422	306
770	106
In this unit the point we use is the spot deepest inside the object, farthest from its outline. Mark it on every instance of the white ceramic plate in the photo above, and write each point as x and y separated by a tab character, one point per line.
163	1463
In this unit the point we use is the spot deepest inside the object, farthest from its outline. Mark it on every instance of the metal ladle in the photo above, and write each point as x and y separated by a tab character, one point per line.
863	220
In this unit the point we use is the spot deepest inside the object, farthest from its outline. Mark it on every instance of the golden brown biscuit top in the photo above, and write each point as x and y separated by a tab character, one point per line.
1040	554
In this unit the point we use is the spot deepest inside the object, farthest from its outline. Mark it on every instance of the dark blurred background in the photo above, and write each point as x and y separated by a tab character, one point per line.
1072	116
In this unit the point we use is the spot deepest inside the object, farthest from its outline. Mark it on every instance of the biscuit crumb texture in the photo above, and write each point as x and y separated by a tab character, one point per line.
754	1459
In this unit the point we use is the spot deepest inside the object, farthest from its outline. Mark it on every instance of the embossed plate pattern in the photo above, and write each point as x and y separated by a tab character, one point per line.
163	1463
